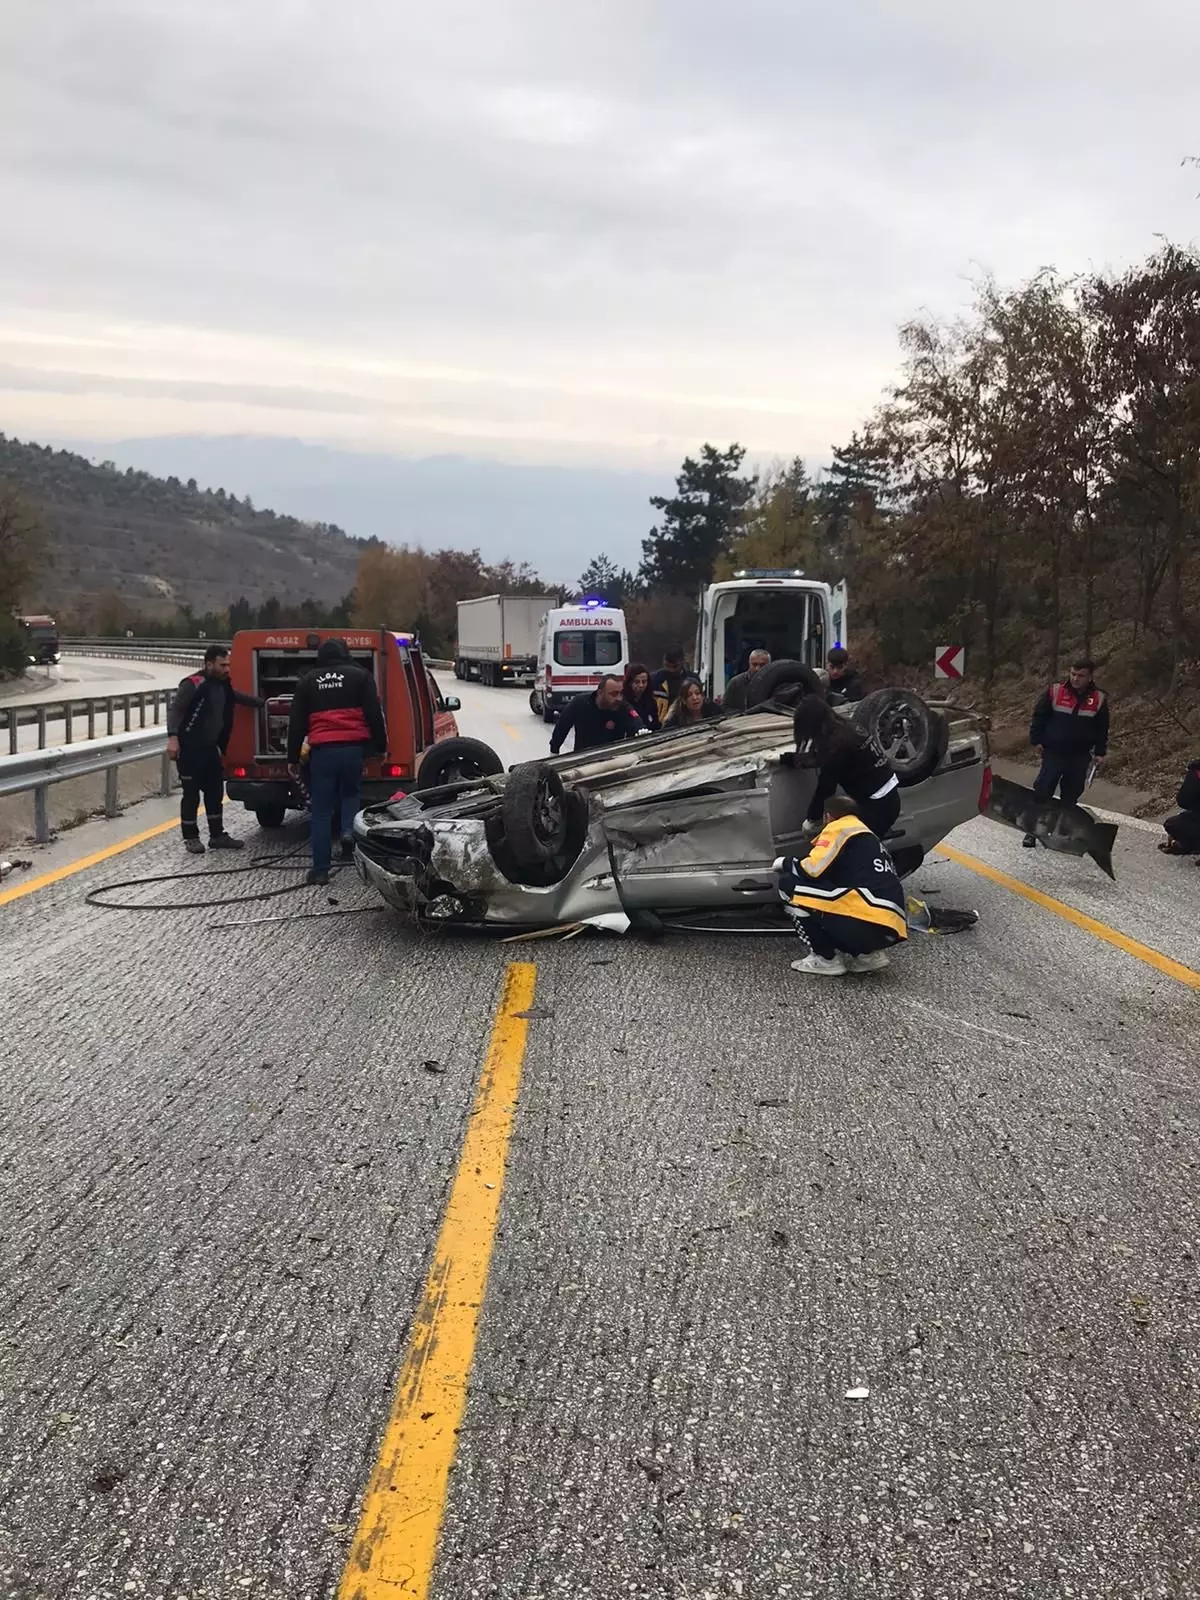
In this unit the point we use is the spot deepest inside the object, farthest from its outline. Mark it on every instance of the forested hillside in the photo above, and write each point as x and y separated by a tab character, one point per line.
157	544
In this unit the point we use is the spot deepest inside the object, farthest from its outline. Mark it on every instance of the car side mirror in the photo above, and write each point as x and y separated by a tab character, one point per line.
452	703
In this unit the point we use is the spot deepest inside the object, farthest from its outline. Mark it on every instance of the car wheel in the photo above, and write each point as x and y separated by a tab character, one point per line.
784	681
271	816
535	704
910	734
534	812
457	761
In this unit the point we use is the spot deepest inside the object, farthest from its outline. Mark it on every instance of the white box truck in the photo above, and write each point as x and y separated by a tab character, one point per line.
498	637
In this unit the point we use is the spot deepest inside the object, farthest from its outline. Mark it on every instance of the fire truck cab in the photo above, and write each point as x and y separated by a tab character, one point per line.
269	663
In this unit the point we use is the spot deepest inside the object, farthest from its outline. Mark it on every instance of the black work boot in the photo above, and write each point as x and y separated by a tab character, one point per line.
313	876
225	841
347	847
1030	841
194	847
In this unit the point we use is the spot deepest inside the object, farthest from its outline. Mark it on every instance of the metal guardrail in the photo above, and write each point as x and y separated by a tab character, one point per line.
184	651
104	712
34	771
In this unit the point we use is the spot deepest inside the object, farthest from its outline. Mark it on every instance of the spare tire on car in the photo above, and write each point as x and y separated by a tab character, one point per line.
457	761
910	734
533	808
786	682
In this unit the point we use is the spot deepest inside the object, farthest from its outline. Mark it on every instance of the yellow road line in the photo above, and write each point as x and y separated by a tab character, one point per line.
396	1543
1101	930
512	731
84	862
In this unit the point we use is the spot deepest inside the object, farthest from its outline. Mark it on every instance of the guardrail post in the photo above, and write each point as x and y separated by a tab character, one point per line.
68	722
108	706
128	712
41	726
91	716
41	819
142	709
112	806
13	725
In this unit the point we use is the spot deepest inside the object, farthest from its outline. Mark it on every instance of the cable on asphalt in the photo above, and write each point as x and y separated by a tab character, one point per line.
97	896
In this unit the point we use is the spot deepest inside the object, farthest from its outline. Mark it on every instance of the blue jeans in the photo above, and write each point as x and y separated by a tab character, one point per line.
334	782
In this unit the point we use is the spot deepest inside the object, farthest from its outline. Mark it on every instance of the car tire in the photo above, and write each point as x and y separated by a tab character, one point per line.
770	683
534	812
271	816
903	728
535	703
457	761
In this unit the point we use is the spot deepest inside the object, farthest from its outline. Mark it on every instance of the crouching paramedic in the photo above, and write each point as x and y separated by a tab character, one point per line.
336	711
845	897
198	727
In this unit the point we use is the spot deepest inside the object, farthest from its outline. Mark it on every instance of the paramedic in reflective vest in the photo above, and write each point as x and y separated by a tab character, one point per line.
198	727
336	712
845	897
845	760
1069	730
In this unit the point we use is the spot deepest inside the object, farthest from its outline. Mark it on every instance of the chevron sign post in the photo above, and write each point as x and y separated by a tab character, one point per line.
950	661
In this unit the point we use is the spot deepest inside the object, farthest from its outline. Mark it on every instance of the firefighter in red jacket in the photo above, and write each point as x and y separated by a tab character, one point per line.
336	712
1069	731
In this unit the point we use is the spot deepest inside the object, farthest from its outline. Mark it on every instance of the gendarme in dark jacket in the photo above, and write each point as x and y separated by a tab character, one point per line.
336	703
1071	723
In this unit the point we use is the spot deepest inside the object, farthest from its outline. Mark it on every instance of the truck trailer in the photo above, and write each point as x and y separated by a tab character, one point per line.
498	637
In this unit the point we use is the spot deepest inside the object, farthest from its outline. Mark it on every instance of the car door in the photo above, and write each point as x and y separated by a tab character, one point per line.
709	848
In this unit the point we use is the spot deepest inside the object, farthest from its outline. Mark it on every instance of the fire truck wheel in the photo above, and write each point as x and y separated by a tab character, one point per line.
457	761
271	816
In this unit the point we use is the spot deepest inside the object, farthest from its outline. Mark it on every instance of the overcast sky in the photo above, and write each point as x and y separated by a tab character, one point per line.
583	231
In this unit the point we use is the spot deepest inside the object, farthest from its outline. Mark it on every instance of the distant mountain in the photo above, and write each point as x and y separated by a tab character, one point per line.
556	518
157	543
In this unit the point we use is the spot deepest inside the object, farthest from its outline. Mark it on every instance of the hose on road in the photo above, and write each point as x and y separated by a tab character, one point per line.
287	860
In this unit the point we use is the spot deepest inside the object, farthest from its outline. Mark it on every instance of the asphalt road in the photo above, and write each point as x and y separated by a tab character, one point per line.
967	1186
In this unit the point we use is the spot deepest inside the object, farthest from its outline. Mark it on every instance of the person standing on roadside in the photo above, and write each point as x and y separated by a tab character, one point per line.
843	678
603	717
336	712
638	694
668	680
1069	731
198	727
737	689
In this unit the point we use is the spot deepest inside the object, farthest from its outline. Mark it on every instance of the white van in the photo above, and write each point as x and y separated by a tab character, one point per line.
577	646
794	617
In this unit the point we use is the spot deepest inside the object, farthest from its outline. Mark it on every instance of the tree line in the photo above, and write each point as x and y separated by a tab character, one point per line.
1029	487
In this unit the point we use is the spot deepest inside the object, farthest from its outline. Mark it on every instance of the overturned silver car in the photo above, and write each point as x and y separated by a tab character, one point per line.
685	820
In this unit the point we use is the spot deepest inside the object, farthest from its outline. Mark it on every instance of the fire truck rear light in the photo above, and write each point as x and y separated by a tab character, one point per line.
237	772
393	772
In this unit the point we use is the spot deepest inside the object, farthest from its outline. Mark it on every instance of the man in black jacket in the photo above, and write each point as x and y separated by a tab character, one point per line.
336	711
1183	829
843	678
737	690
1069	731
198	727
604	717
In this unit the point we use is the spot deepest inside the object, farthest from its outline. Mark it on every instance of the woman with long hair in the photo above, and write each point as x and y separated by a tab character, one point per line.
691	707
845	760
639	696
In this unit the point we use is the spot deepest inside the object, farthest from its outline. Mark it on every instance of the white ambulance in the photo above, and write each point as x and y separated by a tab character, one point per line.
578	645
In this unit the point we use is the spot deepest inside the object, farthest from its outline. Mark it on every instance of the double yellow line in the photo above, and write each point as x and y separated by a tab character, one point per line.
395	1546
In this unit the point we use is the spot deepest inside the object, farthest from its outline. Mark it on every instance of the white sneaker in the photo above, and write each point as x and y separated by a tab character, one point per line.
873	961
824	966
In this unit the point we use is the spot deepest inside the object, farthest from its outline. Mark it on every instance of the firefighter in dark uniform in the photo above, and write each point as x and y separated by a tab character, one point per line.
1069	731
845	897
198	727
